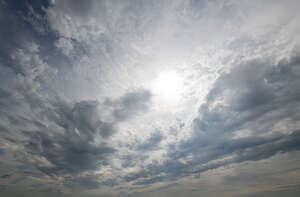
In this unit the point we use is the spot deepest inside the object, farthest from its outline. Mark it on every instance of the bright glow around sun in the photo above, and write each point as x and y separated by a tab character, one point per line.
167	87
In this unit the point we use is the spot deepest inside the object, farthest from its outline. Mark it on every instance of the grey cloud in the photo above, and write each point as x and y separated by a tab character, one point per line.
68	153
68	143
75	150
83	116
1	152
87	182
254	92
292	191
14	33
77	7
57	57
134	176
142	151
107	129
253	97
62	133
5	176
18	180
59	137
67	138
149	180
130	104
120	25
152	142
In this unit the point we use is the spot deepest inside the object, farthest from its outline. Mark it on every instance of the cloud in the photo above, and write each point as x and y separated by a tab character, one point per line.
151	143
130	104
5	176
75	149
57	137
237	121
77	112
65	45
69	142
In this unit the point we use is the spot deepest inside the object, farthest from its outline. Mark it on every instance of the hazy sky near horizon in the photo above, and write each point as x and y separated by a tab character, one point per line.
164	98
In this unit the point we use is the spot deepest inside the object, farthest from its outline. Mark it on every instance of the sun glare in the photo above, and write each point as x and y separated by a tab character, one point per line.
168	87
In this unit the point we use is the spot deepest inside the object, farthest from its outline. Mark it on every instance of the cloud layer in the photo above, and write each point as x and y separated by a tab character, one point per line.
79	114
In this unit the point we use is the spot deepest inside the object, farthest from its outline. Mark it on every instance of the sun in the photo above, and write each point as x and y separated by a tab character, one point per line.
167	87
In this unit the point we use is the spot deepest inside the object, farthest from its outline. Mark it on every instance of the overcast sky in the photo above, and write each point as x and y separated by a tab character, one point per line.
150	98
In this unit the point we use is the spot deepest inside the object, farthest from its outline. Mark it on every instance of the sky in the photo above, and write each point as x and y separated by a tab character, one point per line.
144	98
